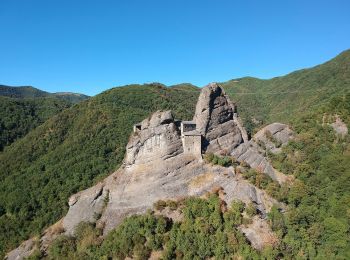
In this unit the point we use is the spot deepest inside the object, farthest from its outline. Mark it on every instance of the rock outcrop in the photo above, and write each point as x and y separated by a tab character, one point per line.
155	166
217	121
269	139
340	127
259	233
158	138
273	137
23	251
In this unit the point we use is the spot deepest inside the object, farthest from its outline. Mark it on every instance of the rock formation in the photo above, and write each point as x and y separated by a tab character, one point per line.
158	138
155	166
269	139
217	120
340	127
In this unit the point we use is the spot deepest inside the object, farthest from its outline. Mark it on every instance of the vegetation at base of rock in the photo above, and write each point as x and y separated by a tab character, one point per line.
70	152
172	204
251	210
206	231
224	161
316	224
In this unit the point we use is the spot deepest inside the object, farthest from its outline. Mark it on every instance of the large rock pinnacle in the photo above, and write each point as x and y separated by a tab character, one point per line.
217	121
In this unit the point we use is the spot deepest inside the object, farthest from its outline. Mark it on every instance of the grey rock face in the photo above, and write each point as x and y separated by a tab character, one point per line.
159	137
255	157
23	251
259	233
274	136
217	120
340	127
85	206
135	189
271	138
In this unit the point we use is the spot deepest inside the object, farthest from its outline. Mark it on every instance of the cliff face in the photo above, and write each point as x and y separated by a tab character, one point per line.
158	138
155	167
217	121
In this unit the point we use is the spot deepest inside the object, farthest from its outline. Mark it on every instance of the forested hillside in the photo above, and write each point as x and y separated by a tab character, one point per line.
288	97
22	92
19	116
24	108
31	92
71	151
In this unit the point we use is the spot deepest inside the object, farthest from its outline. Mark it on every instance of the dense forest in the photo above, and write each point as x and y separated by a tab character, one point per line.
84	143
24	108
19	116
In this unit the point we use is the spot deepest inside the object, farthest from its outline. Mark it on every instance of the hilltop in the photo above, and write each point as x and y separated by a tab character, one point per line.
24	108
31	92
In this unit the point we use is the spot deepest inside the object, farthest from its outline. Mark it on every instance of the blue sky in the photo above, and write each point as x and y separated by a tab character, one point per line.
90	46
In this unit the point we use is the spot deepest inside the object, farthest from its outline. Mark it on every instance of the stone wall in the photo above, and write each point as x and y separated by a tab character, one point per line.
192	145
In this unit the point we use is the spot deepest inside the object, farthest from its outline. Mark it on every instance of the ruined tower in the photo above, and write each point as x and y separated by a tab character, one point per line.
191	138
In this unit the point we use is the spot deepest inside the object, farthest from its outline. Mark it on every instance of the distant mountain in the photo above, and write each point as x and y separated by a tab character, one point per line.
22	92
31	92
20	115
185	86
24	108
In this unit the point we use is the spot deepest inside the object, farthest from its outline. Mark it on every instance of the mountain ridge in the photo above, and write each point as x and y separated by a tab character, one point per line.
32	92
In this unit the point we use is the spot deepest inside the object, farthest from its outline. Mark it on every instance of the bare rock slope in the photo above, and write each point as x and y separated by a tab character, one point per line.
155	166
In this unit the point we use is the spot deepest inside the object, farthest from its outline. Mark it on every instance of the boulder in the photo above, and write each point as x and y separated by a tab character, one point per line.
340	127
259	233
23	251
273	136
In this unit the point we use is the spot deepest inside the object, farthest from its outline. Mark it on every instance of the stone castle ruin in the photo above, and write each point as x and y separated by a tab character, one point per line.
215	127
190	137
